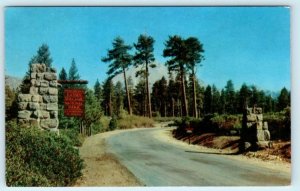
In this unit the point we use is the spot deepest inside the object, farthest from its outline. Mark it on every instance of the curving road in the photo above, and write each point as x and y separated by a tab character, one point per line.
159	163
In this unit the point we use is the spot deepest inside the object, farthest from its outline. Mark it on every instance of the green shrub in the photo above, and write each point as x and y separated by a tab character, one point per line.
104	120
40	158
97	128
73	135
113	123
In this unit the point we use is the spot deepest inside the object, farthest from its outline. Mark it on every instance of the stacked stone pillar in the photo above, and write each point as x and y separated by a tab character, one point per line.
40	106
255	133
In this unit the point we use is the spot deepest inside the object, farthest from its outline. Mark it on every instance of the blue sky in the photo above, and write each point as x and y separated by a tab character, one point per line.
244	44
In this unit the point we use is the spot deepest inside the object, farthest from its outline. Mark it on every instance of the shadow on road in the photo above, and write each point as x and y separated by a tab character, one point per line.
213	153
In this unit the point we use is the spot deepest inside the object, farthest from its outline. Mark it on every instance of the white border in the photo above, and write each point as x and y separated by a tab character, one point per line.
295	78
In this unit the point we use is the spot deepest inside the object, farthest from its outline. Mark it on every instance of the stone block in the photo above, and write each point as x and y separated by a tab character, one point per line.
40	76
24	114
251	118
33	90
259	117
53	91
49	123
22	105
53	114
33	75
34	68
33	106
53	83
44	114
263	144
43	106
265	126
34	82
35	114
50	98
50	76
52	107
249	124
43	90
257	110
263	135
44	83
28	122
41	68
36	98
24	97
259	125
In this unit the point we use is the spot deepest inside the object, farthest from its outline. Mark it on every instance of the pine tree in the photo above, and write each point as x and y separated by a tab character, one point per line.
144	57
283	99
230	98
215	99
194	57
73	71
97	90
120	60
175	49
108	97
207	105
119	98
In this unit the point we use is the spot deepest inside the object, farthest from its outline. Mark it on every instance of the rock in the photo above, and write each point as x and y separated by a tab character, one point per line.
52	107
44	83
22	105
24	114
53	114
265	126
33	75
53	83
33	90
43	106
263	135
251	118
50	76
49	123
50	98
36	98
35	114
44	114
259	125
53	91
263	144
24	97
43	90
33	106
40	76
259	117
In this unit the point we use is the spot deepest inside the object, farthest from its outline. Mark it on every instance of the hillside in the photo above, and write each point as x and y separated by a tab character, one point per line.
12	82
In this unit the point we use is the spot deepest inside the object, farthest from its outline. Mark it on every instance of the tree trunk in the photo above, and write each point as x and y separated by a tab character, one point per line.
127	93
184	102
173	107
110	105
148	92
195	113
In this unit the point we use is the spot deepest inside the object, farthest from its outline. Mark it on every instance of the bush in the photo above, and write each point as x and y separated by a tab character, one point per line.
279	124
104	121
113	123
40	158
73	135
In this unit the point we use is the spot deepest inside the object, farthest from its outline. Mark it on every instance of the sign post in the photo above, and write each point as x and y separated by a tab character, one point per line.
74	102
189	130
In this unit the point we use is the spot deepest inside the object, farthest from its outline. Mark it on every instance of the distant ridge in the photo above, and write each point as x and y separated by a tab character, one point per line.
12	82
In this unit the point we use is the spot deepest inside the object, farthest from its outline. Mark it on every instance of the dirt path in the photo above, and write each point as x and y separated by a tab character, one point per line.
102	168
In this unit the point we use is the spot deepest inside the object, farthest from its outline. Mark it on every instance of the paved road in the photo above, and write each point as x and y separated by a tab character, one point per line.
158	163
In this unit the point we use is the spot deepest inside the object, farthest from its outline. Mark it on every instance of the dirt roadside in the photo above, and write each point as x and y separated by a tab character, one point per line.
167	136
101	167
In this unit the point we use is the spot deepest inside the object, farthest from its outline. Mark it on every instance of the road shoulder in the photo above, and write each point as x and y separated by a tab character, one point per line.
103	168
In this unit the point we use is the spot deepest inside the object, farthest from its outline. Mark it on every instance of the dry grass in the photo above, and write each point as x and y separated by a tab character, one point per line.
128	122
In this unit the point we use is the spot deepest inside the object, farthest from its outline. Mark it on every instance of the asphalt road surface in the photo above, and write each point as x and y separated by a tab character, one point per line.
159	163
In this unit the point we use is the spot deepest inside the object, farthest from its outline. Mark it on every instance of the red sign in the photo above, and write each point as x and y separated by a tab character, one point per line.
74	102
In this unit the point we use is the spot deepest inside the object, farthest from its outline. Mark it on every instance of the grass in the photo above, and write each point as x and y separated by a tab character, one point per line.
133	121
